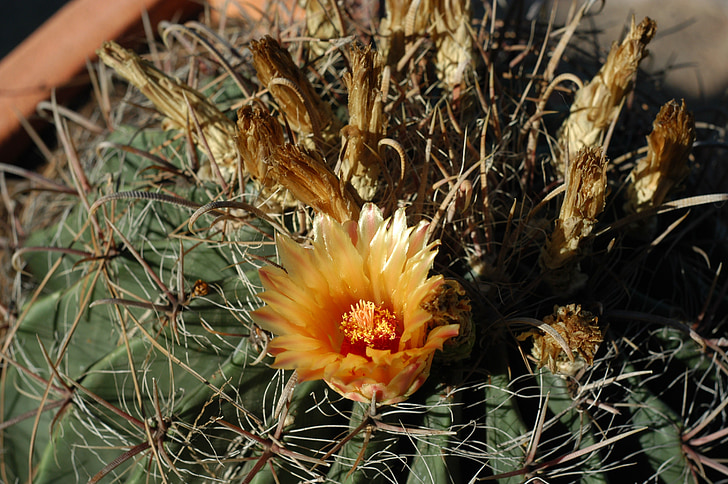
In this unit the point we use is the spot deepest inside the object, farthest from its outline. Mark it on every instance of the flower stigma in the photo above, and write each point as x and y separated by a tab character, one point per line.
368	325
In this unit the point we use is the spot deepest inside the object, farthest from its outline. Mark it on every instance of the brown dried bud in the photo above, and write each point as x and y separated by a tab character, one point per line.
665	165
450	305
304	110
367	125
580	330
597	104
259	135
308	179
586	187
174	99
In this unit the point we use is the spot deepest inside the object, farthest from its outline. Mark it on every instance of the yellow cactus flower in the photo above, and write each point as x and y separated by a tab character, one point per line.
351	309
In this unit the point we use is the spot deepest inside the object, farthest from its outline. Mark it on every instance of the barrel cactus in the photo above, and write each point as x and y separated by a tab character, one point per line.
329	254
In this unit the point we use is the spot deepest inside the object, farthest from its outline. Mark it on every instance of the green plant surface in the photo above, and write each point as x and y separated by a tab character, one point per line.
505	430
130	353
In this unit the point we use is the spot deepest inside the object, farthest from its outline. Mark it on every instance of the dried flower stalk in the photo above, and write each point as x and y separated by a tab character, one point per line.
304	110
597	104
361	162
665	165
309	180
174	99
586	186
579	328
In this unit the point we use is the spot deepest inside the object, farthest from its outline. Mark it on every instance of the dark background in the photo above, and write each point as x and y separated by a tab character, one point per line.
21	17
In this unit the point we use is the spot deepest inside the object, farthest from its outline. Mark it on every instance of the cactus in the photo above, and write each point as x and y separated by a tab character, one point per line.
134	352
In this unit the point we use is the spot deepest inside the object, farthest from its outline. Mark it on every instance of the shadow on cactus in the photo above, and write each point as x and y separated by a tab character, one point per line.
277	255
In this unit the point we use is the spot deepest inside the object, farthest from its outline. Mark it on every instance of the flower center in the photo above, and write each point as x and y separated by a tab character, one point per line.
368	326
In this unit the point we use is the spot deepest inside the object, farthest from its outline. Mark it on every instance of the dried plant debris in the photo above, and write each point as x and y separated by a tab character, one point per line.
584	200
259	135
446	22
404	20
666	164
578	328
453	40
361	162
597	104
308	178
304	110
323	23
183	107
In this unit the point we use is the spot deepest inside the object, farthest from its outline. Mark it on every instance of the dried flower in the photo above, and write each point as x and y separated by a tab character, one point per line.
276	164
305	111
665	165
310	181
579	329
349	309
597	104
367	125
586	187
446	21
258	136
453	40
178	102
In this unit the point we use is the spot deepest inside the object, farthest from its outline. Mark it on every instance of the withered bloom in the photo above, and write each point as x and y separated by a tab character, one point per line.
258	136
580	330
665	165
453	40
361	163
597	104
303	108
310	181
447	22
584	200
351	308
174	99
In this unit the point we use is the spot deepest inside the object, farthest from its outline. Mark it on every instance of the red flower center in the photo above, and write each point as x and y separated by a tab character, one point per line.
368	325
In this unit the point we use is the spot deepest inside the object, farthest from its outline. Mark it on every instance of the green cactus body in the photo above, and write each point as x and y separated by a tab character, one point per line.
134	357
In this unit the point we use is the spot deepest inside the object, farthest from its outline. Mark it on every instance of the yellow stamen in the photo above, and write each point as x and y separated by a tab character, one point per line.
368	325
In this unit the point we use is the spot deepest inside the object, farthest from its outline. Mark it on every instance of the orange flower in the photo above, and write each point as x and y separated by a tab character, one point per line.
351	308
